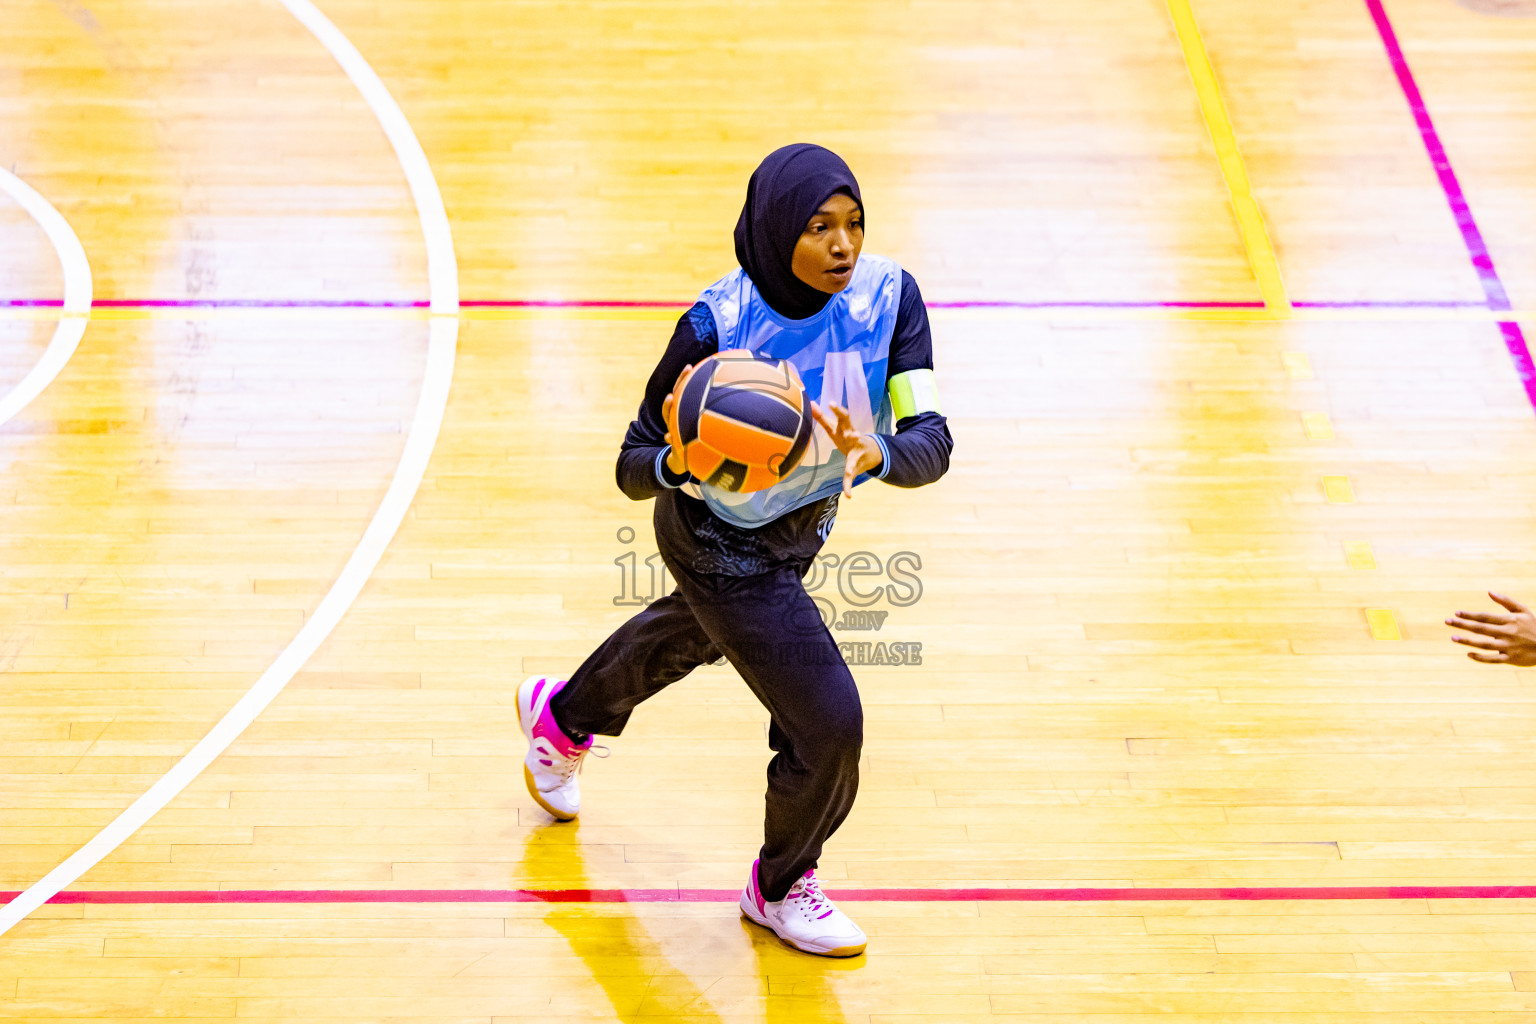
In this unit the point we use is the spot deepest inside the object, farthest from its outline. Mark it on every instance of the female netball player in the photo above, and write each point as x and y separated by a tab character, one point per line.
857	331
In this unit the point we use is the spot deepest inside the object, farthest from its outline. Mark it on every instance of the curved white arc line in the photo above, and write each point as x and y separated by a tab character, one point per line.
442	268
419	442
413	464
77	295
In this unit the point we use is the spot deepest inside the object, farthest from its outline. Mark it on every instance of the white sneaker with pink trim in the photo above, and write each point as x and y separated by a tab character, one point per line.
554	759
804	918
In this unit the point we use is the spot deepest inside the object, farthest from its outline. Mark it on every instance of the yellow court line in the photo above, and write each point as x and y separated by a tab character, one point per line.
1383	624
1250	222
1359	554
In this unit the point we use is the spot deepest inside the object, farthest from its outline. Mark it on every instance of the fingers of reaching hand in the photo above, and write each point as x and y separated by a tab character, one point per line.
1489	659
850	470
865	457
1482	645
1492	618
860	452
823	420
1508	602
841	429
1486	625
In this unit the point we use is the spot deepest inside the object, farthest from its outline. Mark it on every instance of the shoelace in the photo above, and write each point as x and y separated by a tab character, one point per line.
815	900
572	765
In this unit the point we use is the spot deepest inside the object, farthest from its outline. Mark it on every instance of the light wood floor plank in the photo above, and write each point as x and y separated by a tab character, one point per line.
1146	659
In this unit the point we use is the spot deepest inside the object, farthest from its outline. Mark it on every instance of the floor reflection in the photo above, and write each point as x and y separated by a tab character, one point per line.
642	982
624	959
796	987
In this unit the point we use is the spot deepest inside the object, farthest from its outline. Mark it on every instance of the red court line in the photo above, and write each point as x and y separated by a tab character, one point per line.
979	895
1456	198
1403	304
1496	299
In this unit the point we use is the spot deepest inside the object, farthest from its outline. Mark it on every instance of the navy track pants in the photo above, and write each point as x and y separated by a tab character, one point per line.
770	630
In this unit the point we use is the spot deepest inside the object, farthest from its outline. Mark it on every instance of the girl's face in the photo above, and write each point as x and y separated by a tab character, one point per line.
829	246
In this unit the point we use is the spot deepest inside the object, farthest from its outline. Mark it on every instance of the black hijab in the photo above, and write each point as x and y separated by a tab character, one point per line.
786	189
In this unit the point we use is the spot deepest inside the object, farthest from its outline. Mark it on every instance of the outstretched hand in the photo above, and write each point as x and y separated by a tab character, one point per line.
1511	639
861	450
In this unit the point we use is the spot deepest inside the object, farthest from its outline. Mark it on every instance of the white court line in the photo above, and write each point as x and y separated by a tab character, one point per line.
442	273
77	295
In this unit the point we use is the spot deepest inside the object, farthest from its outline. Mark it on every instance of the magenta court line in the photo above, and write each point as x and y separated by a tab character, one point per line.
1471	236
678	895
682	304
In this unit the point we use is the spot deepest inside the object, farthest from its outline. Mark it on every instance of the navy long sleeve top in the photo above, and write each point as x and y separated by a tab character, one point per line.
918	454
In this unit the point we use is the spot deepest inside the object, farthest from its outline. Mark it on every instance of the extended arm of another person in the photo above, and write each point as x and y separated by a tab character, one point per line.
1507	639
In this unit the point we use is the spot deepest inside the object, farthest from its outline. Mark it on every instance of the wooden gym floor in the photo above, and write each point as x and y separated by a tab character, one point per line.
1236	422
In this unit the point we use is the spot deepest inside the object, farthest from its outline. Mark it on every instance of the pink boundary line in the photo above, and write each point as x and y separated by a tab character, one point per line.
1456	198
982	895
682	304
1497	299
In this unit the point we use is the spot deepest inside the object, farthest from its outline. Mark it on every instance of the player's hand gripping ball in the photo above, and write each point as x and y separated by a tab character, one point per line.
737	421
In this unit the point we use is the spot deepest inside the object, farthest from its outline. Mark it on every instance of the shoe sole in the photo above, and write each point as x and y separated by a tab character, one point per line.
840	953
533	790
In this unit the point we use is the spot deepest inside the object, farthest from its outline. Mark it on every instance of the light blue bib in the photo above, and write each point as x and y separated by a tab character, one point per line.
842	353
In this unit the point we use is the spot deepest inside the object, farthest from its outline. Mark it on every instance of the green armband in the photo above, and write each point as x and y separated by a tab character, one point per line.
913	392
